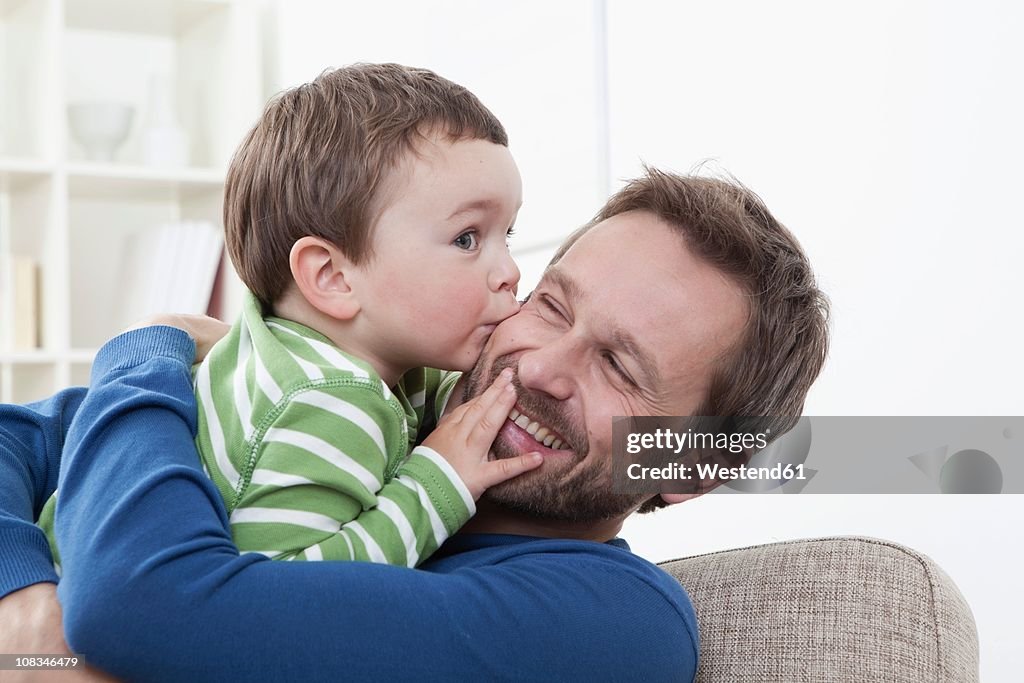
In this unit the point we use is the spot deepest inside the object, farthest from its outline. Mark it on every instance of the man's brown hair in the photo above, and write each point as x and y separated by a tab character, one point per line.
785	341
315	162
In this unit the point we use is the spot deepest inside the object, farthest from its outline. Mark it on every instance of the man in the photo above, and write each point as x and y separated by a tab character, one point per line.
683	296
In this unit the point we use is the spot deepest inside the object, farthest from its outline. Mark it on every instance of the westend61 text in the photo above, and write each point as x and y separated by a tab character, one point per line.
703	471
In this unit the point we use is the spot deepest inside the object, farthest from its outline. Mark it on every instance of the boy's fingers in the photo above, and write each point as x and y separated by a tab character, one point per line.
498	471
480	406
486	427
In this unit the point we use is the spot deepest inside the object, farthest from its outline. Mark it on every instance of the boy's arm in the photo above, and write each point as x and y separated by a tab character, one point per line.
31	441
155	590
317	492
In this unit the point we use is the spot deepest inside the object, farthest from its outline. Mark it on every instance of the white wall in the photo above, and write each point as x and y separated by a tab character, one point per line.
886	135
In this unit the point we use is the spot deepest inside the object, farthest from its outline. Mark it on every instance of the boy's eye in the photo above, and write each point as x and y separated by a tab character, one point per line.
466	240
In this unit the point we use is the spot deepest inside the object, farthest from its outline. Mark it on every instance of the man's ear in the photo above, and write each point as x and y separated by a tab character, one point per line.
323	275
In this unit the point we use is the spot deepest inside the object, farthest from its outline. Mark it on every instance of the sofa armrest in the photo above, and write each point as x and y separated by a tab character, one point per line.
829	609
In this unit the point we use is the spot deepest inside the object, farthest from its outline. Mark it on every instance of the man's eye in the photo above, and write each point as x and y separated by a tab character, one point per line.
546	302
467	240
616	367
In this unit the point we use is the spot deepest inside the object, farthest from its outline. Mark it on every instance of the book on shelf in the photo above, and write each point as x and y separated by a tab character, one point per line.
170	269
19	289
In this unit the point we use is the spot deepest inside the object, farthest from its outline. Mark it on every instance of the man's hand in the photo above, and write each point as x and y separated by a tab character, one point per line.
464	437
203	329
30	624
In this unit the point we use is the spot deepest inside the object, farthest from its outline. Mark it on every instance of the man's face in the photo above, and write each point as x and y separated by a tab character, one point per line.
628	322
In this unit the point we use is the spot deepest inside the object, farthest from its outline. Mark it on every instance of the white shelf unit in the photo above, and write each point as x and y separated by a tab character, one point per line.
73	216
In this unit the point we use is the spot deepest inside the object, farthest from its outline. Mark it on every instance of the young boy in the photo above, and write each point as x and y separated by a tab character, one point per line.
367	213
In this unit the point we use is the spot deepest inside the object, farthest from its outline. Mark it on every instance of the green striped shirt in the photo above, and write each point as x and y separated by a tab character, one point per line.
310	449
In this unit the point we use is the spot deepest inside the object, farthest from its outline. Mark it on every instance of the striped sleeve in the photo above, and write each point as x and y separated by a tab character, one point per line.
319	485
444	391
429	396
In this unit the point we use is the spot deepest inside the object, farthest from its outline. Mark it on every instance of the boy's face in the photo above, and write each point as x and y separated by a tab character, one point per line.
441	276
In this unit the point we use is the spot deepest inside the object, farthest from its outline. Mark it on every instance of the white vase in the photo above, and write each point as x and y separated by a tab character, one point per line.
100	127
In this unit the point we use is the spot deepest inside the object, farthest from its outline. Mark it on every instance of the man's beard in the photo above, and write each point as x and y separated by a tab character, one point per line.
579	491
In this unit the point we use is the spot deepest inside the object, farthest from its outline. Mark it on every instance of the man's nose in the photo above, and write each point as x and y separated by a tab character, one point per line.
550	368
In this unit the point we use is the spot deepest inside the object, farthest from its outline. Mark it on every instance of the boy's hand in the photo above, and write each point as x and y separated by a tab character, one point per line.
464	437
203	329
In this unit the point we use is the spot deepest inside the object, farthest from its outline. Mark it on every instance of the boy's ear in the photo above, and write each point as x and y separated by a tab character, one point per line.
322	273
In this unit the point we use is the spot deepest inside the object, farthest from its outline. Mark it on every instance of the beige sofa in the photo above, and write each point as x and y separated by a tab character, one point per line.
828	609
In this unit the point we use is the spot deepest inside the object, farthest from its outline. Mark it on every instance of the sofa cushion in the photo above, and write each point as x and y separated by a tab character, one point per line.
829	609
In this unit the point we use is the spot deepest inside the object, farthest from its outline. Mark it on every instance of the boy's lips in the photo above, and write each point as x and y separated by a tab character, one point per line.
484	334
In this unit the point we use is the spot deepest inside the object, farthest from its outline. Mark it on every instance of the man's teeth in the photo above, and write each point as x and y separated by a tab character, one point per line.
542	435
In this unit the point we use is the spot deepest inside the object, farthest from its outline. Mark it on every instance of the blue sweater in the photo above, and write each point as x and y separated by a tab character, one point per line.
154	589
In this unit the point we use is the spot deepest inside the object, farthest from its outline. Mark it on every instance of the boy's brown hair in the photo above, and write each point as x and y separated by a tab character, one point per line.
315	161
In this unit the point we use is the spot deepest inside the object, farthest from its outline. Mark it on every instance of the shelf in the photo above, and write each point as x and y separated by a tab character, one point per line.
111	180
33	357
199	176
45	356
152	17
114	181
24	166
16	174
193	64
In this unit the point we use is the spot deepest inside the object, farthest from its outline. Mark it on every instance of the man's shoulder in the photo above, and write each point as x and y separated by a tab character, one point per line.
612	558
605	585
638	589
611	562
